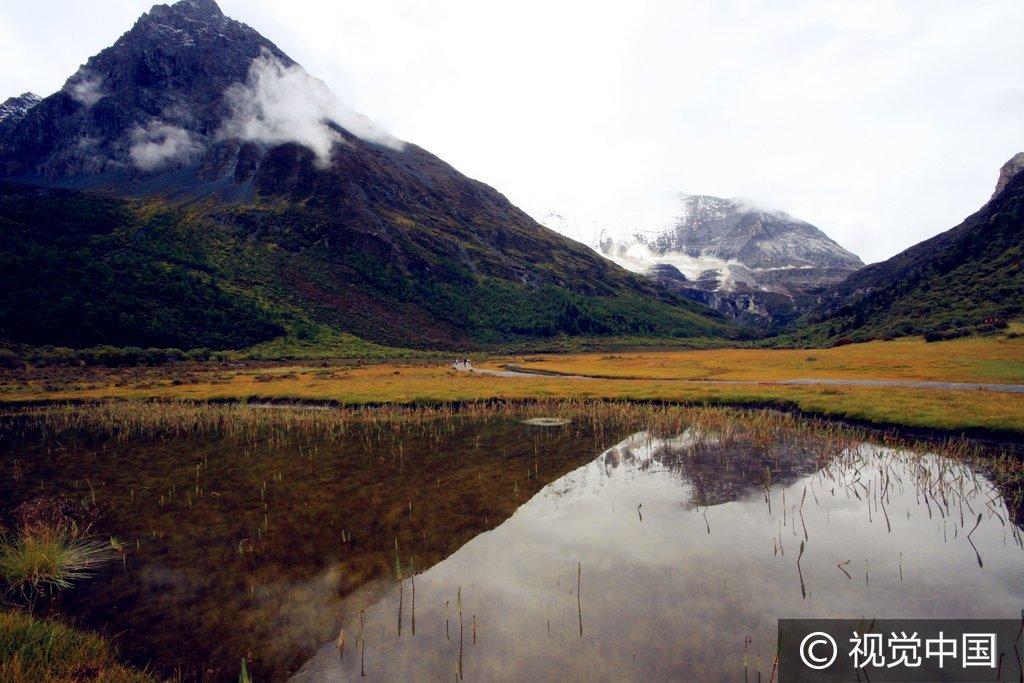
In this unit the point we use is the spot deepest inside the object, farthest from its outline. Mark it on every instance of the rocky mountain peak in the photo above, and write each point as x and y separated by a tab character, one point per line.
15	108
1008	172
199	8
733	230
190	43
189	16
155	101
746	261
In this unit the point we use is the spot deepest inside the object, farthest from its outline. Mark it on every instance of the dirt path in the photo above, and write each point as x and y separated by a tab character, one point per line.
468	367
901	383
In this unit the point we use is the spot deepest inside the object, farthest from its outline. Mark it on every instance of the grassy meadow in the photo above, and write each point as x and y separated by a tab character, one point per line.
665	376
971	359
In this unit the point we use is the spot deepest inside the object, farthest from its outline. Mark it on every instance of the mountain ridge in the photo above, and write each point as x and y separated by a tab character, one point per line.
967	278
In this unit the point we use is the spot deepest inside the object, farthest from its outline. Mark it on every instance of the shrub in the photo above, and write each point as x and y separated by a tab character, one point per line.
843	341
198	355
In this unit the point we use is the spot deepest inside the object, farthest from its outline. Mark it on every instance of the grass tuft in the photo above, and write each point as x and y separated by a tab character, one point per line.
44	560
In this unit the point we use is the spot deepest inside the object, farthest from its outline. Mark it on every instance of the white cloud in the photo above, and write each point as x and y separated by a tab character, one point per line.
281	103
86	88
160	144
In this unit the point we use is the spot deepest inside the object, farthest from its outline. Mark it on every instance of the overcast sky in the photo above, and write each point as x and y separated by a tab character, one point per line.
882	123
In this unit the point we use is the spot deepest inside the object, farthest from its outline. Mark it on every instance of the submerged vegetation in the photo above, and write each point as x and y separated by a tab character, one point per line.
123	420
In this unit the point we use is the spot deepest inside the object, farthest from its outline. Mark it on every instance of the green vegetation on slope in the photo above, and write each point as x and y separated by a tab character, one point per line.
966	279
80	271
325	343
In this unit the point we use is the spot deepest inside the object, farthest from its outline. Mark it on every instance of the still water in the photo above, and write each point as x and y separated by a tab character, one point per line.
491	549
669	558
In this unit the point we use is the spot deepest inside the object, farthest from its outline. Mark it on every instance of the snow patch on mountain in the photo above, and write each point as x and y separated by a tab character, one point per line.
748	262
14	109
727	243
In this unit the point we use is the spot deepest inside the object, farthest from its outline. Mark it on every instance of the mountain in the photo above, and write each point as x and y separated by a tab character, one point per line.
228	173
966	278
1008	172
14	109
749	263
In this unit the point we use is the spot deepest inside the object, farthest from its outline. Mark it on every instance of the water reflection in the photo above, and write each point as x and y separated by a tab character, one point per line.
253	544
683	548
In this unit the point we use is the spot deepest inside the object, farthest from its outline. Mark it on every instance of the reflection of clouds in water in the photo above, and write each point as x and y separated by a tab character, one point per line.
296	612
681	597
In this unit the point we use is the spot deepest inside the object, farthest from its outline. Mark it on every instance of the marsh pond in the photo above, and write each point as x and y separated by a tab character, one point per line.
610	542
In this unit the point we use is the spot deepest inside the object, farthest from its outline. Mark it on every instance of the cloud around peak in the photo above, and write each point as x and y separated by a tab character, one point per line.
160	144
283	103
277	103
85	88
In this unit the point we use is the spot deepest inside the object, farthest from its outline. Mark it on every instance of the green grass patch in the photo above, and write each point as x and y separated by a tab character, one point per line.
34	649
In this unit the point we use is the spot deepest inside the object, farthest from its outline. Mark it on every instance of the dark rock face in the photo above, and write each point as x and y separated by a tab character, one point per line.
162	82
1010	170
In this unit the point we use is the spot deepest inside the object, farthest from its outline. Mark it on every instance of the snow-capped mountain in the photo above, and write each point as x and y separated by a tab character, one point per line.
15	108
746	261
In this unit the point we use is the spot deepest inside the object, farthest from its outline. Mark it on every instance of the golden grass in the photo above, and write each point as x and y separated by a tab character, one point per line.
988	359
949	410
974	359
48	560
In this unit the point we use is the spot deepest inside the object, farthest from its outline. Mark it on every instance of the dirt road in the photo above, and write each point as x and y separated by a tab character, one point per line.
514	371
